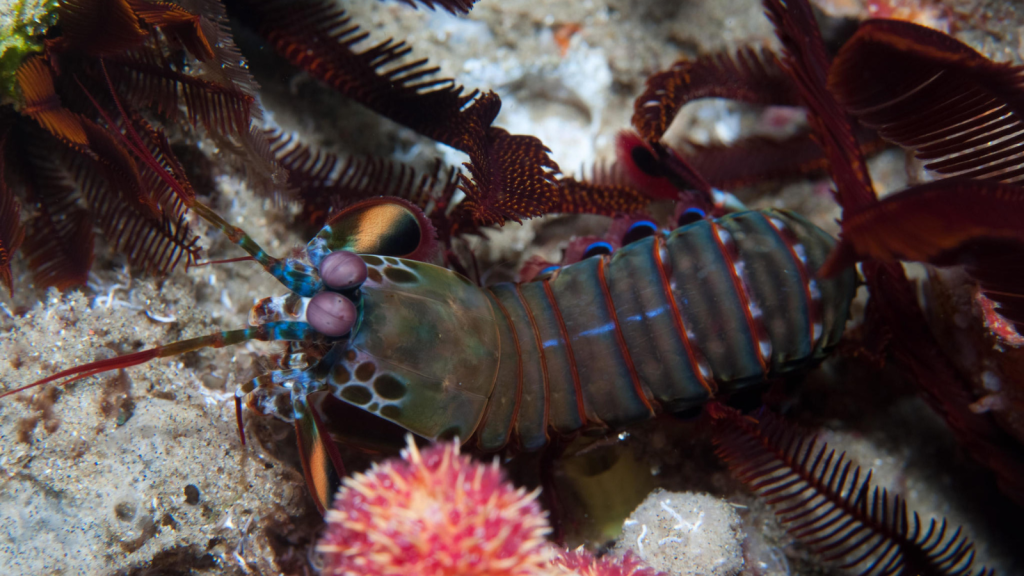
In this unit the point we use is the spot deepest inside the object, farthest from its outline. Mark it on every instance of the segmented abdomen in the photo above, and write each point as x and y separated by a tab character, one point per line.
663	324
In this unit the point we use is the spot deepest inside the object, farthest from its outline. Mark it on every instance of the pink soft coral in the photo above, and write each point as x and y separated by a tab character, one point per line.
582	563
439	513
435	513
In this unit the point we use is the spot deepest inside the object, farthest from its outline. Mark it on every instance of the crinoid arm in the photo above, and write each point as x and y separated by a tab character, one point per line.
759	76
750	75
183	26
11	232
42	103
757	159
134	57
975	224
327	183
511	177
296	275
601	193
140	215
961	113
807	63
453	6
894	306
118	31
831	506
922	89
96	28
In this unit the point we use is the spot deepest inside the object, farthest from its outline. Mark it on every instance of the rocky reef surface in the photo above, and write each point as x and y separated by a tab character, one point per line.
142	472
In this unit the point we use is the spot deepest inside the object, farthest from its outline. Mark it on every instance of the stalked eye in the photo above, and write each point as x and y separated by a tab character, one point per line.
645	161
331	314
691	215
548	270
639	231
342	269
597	248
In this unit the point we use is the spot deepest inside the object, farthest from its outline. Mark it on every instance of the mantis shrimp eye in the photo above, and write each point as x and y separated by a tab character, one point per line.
691	215
639	231
597	248
331	314
646	161
342	269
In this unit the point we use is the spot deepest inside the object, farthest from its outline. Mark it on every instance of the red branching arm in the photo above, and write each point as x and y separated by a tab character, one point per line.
42	104
826	502
156	243
894	303
807	62
976	224
141	66
228	67
453	6
59	242
606	192
750	75
137	212
512	176
320	38
759	77
11	232
915	91
176	22
172	199
927	222
251	154
326	183
97	27
148	82
123	180
89	177
759	159
925	90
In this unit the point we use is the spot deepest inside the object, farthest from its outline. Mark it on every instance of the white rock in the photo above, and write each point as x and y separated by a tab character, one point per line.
685	534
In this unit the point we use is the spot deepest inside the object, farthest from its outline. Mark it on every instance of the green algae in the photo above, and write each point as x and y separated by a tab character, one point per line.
22	25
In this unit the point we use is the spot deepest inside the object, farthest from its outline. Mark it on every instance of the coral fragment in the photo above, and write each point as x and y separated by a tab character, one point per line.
435	513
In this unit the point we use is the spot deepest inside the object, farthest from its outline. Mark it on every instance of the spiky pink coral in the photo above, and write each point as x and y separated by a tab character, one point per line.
582	563
435	513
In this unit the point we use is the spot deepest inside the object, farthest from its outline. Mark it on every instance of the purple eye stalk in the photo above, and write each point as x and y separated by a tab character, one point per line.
342	269
330	313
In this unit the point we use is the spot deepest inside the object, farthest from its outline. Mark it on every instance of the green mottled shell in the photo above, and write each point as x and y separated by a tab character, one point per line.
425	354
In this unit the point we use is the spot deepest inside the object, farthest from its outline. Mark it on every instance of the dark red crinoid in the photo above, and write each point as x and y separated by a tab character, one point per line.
114	66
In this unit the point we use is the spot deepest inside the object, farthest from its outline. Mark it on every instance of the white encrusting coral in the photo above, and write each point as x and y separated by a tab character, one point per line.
685	533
